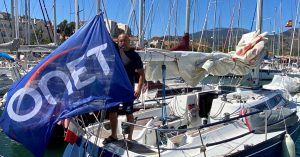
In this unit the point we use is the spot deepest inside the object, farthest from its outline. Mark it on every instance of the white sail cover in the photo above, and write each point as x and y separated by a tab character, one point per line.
193	66
290	84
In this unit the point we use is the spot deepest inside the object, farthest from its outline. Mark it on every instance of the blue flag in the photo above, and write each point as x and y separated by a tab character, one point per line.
84	74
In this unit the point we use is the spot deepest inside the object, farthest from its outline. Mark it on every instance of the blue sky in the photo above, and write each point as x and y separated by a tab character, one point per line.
119	10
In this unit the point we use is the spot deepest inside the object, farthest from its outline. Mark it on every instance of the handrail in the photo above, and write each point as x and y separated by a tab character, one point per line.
204	126
195	128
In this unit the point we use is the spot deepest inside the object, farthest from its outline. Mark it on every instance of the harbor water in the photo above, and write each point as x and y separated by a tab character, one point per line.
10	148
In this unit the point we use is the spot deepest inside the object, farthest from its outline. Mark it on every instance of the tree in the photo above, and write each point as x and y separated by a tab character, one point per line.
66	28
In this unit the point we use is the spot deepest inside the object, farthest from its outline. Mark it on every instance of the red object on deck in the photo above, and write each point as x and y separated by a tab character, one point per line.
183	44
70	137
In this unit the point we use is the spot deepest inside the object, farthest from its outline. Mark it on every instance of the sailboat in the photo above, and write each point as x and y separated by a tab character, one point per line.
83	75
182	135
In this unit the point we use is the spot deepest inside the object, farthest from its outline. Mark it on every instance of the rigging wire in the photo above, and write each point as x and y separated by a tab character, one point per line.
204	24
152	20
92	9
239	18
176	22
118	10
45	21
253	18
104	9
50	23
83	9
34	32
148	16
33	10
230	26
132	14
168	25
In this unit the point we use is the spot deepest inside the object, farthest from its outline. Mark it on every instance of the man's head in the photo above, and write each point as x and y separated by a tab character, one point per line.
124	42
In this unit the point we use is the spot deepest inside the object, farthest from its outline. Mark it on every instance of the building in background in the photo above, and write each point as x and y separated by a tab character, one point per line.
115	28
38	31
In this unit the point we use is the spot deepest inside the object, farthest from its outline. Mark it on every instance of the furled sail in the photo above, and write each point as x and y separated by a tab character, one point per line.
80	76
194	66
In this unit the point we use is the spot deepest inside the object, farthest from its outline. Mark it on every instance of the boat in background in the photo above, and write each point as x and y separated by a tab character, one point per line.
10	71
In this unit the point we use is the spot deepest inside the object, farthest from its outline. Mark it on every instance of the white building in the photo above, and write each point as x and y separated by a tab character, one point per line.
7	28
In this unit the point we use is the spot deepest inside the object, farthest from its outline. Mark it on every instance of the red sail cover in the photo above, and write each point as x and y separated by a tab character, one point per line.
183	45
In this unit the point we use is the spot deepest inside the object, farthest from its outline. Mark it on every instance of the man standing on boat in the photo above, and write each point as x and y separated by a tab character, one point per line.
132	63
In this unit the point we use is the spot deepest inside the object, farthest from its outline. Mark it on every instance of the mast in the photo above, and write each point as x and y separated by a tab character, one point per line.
291	48
281	31
12	16
141	23
298	46
187	16
98	7
274	32
16	19
54	23
76	15
258	16
27	14
255	71
215	21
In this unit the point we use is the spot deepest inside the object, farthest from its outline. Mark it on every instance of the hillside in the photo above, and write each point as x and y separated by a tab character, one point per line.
235	34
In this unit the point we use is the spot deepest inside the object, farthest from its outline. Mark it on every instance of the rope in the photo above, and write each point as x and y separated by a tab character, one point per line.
219	111
283	121
126	144
164	109
202	148
266	126
157	142
48	17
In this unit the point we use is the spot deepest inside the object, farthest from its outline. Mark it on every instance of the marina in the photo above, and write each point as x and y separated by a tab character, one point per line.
92	88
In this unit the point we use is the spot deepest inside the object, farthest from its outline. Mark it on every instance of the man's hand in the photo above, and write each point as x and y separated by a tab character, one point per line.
137	92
